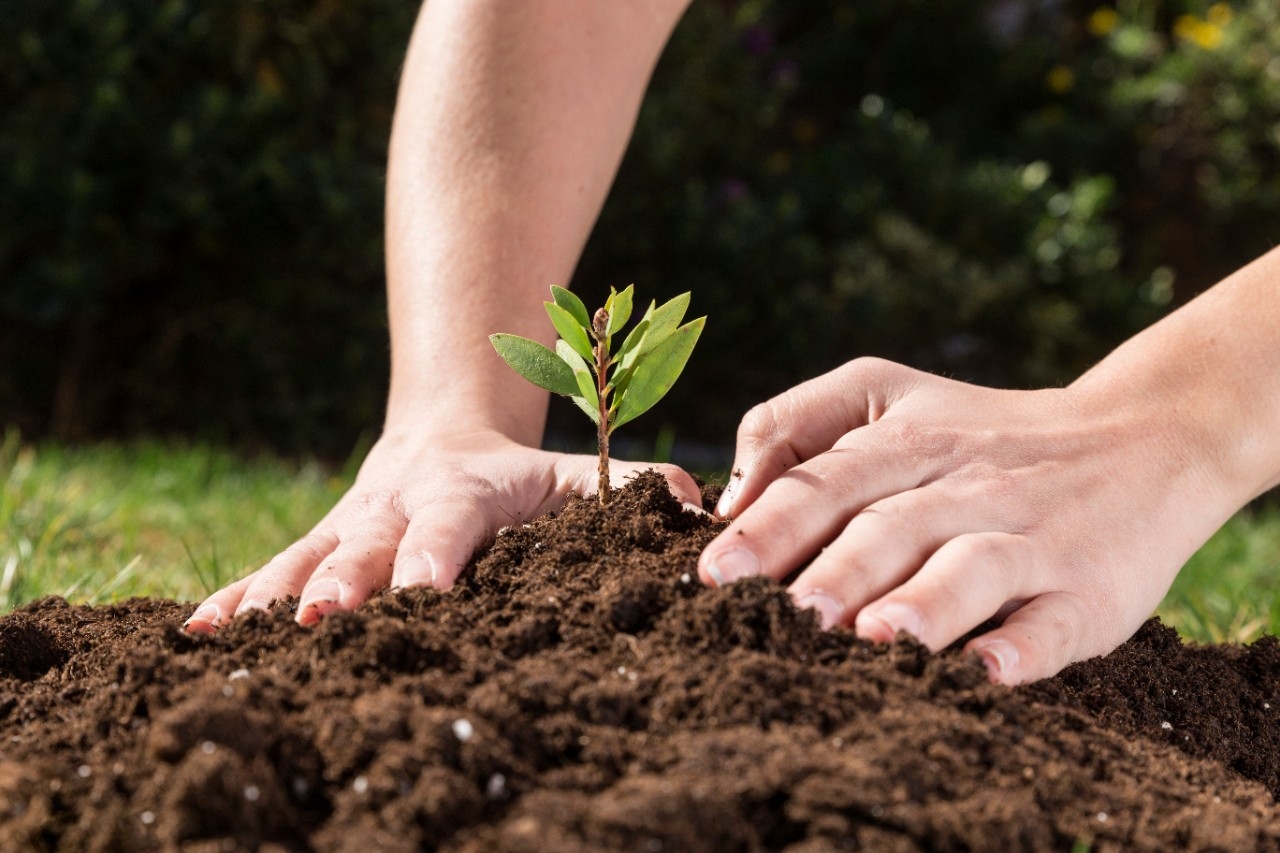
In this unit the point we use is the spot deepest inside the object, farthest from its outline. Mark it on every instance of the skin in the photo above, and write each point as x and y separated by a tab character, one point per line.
895	500
510	124
915	503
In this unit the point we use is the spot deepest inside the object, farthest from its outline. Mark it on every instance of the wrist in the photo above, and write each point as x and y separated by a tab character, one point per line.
1197	422
431	413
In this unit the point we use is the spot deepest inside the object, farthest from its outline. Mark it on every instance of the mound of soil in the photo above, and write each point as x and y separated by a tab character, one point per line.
579	690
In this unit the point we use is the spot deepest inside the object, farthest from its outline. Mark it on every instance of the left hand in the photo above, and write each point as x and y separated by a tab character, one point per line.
930	506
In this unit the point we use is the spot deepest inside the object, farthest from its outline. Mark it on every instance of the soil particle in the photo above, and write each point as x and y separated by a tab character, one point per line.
580	690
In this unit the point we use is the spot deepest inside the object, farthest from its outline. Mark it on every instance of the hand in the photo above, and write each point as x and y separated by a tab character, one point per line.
930	506
417	512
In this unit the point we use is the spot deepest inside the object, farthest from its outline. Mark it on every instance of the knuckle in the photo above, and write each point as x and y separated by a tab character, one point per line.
852	582
867	368
760	423
888	515
309	548
380	503
974	550
1054	641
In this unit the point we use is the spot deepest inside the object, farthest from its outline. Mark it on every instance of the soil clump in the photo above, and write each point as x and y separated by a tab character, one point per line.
580	690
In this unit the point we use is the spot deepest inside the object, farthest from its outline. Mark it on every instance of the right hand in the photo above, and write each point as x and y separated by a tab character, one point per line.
419	509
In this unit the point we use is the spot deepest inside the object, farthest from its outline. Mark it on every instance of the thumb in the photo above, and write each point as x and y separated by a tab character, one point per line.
682	485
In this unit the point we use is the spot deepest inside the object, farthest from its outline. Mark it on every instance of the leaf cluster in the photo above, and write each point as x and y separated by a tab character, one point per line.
614	386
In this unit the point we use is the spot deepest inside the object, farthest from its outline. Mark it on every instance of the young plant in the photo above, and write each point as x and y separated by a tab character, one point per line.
611	387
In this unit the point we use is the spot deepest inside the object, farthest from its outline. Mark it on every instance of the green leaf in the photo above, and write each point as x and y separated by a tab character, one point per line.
659	324
656	372
631	349
592	411
665	320
572	304
620	382
619	306
536	363
636	335
581	373
573	334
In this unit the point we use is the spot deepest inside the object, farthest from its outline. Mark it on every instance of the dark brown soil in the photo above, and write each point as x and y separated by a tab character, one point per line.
579	690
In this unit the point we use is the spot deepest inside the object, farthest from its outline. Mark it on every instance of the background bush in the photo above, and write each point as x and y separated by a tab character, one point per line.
998	191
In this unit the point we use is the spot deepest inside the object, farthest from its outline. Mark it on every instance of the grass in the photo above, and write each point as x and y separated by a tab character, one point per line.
107	521
1227	591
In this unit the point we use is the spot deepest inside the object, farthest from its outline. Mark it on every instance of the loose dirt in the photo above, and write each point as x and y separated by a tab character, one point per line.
580	690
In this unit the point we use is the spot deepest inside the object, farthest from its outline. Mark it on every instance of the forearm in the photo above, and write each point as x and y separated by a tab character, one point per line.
511	122
1211	370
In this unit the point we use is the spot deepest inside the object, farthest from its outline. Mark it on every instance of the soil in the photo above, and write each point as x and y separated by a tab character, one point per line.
580	690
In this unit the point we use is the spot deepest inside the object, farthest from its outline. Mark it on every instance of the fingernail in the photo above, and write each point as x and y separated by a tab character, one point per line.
418	570
252	604
999	656
695	509
892	616
725	504
828	609
205	617
732	565
319	600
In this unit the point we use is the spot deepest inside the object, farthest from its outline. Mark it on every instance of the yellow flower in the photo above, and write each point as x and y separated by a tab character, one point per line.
1205	34
1220	14
1102	21
1060	79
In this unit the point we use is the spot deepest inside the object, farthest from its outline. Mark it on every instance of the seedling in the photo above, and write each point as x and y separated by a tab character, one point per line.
611	387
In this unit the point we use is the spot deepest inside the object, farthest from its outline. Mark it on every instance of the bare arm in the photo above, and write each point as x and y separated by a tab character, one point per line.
510	124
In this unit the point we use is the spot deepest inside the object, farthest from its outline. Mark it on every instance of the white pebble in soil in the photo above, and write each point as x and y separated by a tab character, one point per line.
251	793
497	787
238	674
360	785
463	730
208	747
686	578
84	771
147	818
1167	726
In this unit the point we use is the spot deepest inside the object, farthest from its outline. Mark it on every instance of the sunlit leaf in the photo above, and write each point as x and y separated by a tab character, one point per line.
581	373
536	363
665	321
631	349
620	308
593	412
654	374
569	330
636	335
571	303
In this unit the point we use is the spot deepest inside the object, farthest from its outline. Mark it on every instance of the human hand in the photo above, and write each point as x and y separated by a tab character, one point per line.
930	506
418	510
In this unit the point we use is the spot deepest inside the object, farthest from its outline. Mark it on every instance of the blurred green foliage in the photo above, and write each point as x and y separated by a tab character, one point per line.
1000	191
193	197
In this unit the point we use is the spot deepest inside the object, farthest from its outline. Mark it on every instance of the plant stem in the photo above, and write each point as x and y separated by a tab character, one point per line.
602	429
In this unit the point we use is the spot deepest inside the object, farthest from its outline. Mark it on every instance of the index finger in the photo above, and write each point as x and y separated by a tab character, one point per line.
807	420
